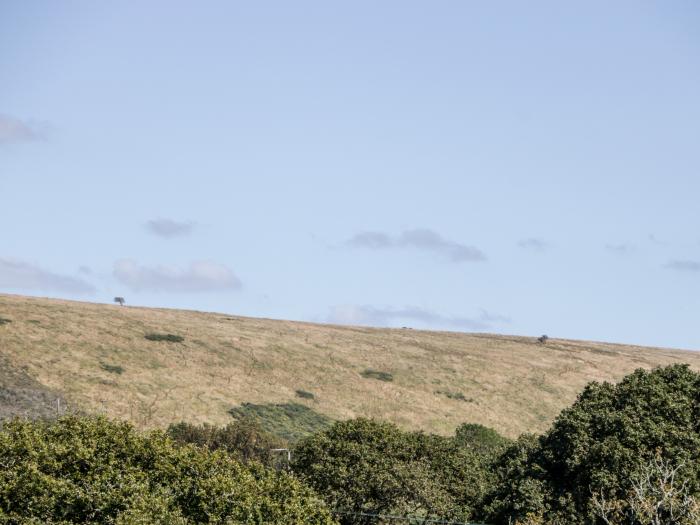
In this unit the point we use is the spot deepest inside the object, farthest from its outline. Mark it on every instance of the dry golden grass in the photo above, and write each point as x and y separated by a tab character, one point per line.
512	384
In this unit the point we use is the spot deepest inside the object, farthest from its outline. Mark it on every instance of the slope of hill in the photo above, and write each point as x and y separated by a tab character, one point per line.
98	358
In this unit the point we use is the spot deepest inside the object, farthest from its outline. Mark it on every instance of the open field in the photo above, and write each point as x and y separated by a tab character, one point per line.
97	357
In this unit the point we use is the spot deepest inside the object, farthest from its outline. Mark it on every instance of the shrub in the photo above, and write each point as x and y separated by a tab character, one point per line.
290	421
92	470
170	338
244	439
304	394
4	321
113	369
450	394
376	374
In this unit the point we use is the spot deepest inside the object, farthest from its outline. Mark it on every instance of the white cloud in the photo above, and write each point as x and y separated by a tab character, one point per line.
684	266
421	239
373	316
200	276
26	276
15	130
168	228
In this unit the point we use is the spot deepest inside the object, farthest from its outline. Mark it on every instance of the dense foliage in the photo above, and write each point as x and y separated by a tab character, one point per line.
600	448
369	466
289	421
92	470
245	440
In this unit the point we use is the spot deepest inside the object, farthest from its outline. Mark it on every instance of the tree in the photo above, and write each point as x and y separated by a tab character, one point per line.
244	439
119	300
599	445
93	470
367	466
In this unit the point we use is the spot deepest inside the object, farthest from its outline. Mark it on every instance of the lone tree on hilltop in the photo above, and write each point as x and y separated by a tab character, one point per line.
119	300
543	339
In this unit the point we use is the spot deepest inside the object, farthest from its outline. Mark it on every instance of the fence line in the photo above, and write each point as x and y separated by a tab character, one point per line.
410	519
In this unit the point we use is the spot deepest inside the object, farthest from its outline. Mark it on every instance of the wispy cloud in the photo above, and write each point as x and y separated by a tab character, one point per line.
534	244
169	228
620	249
374	316
26	276
199	276
684	266
15	130
420	239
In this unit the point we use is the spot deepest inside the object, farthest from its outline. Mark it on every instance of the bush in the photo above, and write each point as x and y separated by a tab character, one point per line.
113	369
4	321
289	421
304	394
245	440
170	338
450	394
376	374
92	470
480	439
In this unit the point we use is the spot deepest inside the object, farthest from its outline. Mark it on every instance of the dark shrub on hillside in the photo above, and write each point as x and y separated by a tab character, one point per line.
289	421
92	470
377	374
170	338
369	466
4	321
245	439
112	369
480	439
304	394
601	444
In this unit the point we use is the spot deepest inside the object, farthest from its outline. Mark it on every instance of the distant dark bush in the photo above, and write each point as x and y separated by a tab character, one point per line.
376	374
171	338
290	421
304	394
458	396
245	439
113	369
543	339
480	439
93	470
4	321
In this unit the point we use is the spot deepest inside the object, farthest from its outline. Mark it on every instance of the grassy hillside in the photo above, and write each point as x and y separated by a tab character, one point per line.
131	363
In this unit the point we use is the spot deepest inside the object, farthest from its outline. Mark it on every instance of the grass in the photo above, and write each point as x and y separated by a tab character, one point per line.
516	383
290	421
377	374
170	338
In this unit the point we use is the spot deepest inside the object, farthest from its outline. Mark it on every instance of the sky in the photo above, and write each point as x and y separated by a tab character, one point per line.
511	167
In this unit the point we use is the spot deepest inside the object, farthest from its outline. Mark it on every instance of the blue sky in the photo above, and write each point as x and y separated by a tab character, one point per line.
510	167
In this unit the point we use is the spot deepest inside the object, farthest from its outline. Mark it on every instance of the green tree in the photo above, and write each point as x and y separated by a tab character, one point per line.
602	443
93	470
244	439
369	466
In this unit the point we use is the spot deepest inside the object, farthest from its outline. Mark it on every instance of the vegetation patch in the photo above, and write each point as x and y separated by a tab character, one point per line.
170	338
457	396
304	394
377	374
4	321
112	369
290	421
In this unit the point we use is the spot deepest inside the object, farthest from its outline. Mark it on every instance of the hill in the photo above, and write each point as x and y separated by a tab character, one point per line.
157	366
